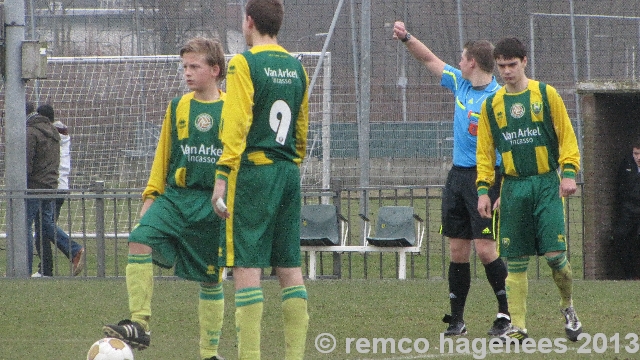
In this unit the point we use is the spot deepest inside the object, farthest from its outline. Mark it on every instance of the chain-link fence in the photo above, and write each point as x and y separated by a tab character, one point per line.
390	121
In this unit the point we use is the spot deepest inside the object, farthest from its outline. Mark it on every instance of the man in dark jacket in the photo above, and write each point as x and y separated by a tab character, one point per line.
71	249
627	219
43	159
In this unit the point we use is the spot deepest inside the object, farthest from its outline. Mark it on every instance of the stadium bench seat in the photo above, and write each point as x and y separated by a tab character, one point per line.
321	225
397	233
395	227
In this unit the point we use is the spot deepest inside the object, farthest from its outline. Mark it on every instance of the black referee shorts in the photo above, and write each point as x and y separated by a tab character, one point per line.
460	217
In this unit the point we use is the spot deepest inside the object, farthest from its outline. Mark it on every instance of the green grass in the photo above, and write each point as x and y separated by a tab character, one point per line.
61	318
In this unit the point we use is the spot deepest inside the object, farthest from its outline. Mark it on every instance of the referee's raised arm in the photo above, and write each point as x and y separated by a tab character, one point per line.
419	50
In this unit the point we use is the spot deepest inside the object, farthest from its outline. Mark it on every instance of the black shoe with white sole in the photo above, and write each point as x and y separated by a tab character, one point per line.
130	332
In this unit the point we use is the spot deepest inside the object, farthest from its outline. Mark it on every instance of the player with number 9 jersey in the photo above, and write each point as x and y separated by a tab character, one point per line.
264	134
264	125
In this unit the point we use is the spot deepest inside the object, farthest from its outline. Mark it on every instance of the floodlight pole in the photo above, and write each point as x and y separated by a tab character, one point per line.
16	140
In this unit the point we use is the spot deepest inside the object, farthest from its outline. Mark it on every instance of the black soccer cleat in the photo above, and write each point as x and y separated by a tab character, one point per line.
573	326
130	332
456	328
501	325
514	333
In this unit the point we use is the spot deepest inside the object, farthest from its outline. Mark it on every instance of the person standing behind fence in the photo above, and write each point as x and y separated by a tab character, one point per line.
527	122
264	132
178	227
627	212
43	159
461	222
71	249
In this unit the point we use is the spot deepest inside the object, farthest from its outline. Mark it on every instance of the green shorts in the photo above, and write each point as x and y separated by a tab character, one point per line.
531	216
264	227
183	231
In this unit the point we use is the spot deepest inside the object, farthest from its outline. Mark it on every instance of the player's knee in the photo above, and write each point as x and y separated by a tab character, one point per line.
460	250
137	248
486	250
289	276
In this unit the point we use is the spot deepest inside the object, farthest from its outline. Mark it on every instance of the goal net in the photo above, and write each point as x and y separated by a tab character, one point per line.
114	107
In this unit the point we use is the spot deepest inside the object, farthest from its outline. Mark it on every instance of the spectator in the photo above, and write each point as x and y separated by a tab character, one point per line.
627	220
71	249
527	122
461	222
43	159
265	121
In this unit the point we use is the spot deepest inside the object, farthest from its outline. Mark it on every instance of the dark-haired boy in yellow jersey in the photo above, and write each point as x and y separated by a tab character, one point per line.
264	134
178	227
527	122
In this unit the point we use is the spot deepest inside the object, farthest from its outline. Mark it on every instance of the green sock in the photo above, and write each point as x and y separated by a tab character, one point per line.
517	286
210	315
249	303
563	277
296	321
139	273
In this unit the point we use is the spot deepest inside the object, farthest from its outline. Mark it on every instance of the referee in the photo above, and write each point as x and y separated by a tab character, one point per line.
471	84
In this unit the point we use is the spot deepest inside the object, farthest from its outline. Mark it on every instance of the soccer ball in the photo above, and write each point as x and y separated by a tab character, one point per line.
110	349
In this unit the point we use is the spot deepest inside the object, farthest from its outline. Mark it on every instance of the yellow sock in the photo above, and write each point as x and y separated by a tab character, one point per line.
563	277
210	315
139	273
517	286
296	321
249	303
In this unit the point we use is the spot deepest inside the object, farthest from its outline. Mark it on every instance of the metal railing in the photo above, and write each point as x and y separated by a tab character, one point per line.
100	219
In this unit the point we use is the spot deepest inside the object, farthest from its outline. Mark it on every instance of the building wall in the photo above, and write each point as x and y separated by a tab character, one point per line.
610	123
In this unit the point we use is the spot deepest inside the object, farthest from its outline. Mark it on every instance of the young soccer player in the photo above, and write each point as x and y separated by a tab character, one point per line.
527	122
264	134
178	227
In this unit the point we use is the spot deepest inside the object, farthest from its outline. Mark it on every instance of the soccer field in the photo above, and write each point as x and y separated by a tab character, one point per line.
61	318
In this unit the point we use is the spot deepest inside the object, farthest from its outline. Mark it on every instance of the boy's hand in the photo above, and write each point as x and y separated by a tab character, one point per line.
567	187
217	199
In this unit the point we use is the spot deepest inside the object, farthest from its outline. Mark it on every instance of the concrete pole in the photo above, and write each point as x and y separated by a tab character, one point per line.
16	141
365	103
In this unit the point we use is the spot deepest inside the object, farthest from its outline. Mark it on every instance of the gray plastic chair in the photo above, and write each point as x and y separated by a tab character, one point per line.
395	227
321	225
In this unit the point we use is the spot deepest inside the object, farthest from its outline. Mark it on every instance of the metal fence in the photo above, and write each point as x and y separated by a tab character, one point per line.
100	219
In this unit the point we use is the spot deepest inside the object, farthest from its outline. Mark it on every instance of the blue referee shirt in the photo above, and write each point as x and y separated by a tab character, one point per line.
468	103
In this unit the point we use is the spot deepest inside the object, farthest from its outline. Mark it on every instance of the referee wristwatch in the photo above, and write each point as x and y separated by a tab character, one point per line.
406	37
